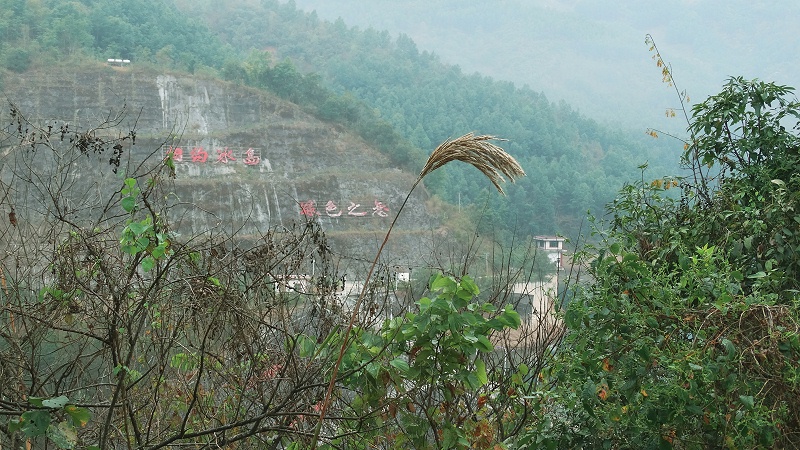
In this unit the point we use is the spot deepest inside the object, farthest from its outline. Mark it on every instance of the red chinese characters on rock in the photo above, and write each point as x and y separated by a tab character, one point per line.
309	209
352	210
380	209
250	157
332	210
199	155
176	153
224	155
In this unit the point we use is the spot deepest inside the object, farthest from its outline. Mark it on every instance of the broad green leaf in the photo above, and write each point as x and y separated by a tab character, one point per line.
483	344
472	381
470	337
15	425
128	204
159	251
747	400
55	402
148	263
468	284
512	317
694	409
424	303
400	365
447	284
730	349
35	423
305	345
143	242
137	227
480	372
80	416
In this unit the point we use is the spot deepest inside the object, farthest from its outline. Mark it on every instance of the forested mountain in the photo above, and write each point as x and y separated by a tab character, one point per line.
152	294
592	54
381	83
573	163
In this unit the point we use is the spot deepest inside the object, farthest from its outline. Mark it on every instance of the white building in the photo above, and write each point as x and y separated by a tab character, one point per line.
553	246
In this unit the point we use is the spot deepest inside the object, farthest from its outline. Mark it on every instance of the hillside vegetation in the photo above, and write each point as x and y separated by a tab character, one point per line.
401	100
122	326
573	163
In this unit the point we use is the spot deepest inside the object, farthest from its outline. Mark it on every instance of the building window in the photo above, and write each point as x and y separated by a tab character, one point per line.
552	244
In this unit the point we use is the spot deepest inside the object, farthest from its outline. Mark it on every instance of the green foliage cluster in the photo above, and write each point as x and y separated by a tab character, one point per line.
36	33
117	331
688	335
421	379
39	421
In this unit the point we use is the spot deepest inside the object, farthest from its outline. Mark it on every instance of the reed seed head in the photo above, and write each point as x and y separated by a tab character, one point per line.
479	152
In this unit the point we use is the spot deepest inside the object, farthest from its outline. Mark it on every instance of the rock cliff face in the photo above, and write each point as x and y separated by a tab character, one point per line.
245	160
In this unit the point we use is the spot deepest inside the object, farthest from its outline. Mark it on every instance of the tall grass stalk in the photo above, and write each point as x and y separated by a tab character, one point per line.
478	151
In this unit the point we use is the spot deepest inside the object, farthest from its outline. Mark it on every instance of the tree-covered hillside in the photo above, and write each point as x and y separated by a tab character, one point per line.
573	163
400	99
589	53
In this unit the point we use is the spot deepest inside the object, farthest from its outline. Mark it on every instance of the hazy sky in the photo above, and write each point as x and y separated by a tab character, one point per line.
592	53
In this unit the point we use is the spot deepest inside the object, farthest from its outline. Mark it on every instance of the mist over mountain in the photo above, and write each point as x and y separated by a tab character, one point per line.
592	54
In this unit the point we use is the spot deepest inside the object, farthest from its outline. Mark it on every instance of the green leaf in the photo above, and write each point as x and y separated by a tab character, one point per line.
56	402
747	401
480	372
159	251
148	263
483	344
15	425
128	204
468	284
694	409
445	284
138	227
35	423
730	349
80	416
400	365
512	317
472	381
306	345
143	242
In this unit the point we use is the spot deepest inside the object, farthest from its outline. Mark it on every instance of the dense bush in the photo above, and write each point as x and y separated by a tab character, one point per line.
687	337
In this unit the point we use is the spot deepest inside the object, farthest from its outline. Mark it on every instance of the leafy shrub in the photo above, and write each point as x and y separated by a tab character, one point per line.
687	337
